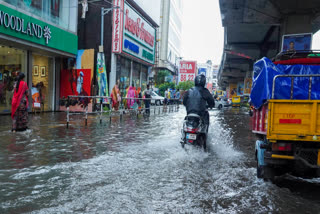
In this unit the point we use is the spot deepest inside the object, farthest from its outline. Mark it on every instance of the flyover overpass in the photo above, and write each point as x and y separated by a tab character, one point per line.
254	28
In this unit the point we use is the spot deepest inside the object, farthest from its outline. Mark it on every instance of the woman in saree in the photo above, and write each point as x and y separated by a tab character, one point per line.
19	108
115	96
131	94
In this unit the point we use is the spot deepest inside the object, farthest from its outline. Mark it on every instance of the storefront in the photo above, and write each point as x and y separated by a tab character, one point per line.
133	47
35	37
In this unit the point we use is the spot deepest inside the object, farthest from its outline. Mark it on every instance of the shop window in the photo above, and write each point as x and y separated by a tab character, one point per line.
12	61
42	85
124	75
136	74
144	75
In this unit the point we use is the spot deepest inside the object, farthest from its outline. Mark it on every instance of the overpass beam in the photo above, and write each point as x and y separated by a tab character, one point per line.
295	24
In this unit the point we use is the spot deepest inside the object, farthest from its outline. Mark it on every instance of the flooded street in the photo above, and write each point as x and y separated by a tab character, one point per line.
138	166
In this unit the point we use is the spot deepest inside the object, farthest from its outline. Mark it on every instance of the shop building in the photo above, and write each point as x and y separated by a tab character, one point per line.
129	42
133	46
36	37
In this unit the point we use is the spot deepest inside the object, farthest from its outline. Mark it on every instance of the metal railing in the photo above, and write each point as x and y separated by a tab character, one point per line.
310	76
139	107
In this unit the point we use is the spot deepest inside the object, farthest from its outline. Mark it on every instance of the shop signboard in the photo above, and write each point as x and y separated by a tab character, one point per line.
19	25
296	42
139	37
132	34
247	86
117	26
187	70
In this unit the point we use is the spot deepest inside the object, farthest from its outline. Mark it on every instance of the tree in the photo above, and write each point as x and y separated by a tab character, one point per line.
161	75
185	85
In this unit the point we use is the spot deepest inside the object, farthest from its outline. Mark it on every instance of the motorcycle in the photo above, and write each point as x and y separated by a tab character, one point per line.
194	131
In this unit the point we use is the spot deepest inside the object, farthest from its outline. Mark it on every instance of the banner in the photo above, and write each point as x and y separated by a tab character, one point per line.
240	88
247	86
102	76
296	42
232	90
187	71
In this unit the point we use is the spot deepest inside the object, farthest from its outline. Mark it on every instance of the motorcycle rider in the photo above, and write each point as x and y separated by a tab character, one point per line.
195	99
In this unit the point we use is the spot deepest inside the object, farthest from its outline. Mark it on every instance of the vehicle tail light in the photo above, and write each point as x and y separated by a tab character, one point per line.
282	147
190	141
191	130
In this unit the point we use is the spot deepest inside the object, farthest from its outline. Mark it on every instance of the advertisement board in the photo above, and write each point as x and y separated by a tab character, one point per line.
202	71
187	70
296	42
232	90
240	88
247	86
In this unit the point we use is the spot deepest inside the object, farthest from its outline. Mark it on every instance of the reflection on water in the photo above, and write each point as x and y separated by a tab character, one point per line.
138	166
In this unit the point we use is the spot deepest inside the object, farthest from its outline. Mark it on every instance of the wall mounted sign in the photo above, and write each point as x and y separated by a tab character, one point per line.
22	26
132	34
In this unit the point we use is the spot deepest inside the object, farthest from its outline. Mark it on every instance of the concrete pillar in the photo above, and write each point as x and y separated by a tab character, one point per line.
113	73
131	72
165	18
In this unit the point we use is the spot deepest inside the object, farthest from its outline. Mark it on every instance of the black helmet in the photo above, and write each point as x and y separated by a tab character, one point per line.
200	80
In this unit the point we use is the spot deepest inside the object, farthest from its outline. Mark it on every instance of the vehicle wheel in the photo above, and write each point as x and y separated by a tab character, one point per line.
220	107
265	172
157	102
260	171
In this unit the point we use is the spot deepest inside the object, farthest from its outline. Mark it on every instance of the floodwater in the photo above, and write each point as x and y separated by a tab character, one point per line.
138	166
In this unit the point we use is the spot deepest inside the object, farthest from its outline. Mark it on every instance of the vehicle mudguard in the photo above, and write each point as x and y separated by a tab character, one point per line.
260	152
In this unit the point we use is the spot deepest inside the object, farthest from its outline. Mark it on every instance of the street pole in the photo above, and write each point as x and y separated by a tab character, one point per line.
102	26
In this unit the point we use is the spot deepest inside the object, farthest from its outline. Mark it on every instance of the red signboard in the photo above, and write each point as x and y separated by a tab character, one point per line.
187	70
117	26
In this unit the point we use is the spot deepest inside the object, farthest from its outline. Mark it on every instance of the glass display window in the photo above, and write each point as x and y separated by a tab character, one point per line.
12	61
42	82
136	74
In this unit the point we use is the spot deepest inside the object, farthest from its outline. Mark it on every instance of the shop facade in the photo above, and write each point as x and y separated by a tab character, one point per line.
133	46
35	38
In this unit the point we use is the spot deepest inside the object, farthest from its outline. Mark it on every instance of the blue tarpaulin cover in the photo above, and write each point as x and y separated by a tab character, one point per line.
263	73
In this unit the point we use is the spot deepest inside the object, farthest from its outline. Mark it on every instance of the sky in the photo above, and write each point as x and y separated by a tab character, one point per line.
202	31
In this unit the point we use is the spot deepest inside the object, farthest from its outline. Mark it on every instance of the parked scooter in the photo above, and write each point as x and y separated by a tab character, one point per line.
194	132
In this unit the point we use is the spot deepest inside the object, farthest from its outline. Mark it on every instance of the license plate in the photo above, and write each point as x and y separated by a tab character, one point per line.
191	136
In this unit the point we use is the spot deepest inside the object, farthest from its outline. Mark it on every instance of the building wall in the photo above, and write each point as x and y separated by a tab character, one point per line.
171	29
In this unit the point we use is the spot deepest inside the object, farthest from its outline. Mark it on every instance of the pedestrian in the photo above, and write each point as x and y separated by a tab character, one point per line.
132	95
147	95
115	96
178	97
19	108
166	100
139	95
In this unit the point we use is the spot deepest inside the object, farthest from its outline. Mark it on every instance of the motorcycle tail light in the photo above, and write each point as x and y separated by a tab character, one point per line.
191	130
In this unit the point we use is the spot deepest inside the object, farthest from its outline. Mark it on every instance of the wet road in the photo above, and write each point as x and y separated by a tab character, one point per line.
138	166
